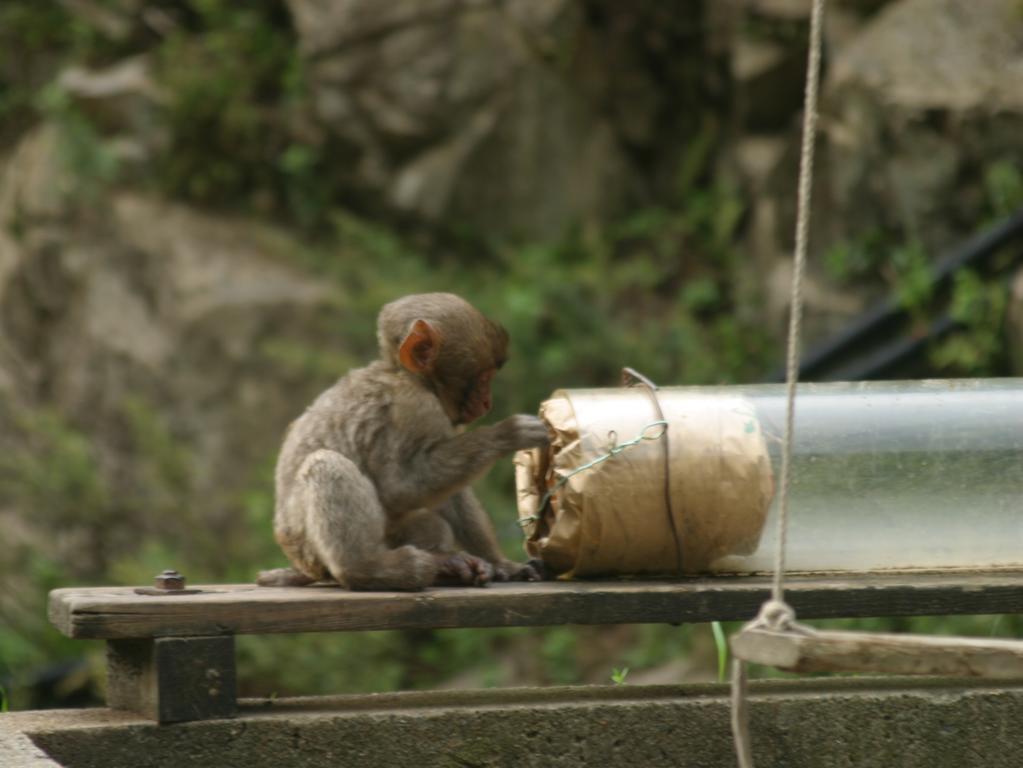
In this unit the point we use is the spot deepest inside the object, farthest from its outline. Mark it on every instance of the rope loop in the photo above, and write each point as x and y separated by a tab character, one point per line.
775	614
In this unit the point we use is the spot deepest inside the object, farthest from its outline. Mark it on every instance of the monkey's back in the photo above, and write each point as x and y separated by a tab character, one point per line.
357	418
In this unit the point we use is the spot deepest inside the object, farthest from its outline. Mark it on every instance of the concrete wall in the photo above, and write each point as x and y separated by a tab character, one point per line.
795	723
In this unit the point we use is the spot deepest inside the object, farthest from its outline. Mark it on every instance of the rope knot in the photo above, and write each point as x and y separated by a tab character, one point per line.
776	615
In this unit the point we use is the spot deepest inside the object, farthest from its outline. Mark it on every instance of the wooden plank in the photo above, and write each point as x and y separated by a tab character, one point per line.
117	612
880	653
174	679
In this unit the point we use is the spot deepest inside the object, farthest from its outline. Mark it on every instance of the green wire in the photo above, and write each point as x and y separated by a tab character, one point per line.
612	451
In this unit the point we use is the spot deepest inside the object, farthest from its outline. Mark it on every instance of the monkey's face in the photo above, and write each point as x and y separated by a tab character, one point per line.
476	400
451	345
466	373
468	370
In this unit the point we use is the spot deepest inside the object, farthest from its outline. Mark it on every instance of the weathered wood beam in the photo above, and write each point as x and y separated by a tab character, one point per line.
117	612
173	679
829	651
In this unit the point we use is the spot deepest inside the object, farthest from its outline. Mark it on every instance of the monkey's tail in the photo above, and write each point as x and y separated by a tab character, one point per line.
283	577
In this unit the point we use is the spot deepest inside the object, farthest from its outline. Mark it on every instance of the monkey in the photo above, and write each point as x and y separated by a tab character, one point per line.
372	481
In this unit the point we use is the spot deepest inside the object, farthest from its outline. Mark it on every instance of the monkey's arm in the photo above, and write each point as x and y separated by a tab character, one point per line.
471	525
438	467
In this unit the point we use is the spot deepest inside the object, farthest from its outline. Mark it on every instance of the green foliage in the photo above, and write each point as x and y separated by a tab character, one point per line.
850	260
1003	185
618	675
670	313
38	39
979	348
721	644
560	653
913	280
658	644
979	304
54	470
423	659
30	33
323	663
91	163
234	107
34	26
236	88
164	461
306	361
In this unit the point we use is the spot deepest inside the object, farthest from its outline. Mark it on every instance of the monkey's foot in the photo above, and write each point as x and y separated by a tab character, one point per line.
462	569
283	577
509	570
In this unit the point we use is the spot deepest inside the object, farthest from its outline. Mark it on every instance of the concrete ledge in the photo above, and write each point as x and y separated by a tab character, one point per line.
795	723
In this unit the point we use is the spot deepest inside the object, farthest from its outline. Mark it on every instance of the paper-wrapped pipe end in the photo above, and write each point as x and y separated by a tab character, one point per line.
635	513
527	491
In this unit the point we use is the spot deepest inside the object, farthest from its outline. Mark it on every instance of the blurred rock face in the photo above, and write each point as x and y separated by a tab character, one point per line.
516	119
126	302
920	100
920	103
134	331
512	118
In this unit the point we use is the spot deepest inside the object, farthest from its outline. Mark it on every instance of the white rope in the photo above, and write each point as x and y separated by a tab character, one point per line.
740	718
798	268
776	612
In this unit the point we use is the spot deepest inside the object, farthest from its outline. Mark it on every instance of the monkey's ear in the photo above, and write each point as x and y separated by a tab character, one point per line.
418	351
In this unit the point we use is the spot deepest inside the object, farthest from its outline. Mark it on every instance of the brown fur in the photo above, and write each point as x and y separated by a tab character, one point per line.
372	482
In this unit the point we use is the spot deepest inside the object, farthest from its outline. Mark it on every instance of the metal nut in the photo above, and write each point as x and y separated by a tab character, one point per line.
170	580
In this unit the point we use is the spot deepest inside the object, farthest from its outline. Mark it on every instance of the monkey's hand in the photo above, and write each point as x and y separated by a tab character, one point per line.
460	569
509	570
522	431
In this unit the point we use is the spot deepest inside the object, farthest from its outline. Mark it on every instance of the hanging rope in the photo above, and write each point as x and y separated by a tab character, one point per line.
798	268
775	613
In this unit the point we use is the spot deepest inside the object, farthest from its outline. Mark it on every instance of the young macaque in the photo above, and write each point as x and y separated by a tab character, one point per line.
373	479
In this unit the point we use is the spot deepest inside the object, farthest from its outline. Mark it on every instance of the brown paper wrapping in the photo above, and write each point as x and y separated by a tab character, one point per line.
613	518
